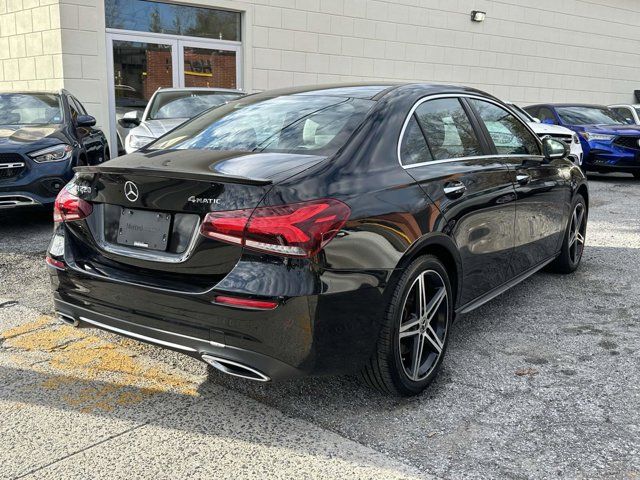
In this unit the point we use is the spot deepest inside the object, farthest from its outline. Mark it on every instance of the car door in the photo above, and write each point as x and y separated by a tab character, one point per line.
90	138
542	187
443	151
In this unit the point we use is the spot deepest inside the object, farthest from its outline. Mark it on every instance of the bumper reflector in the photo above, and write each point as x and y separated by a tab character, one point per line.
52	262
246	302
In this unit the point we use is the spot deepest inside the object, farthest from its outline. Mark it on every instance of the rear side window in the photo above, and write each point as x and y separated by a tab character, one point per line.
509	134
414	147
447	129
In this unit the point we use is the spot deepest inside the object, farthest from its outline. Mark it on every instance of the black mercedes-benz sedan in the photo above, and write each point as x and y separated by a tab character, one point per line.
43	135
318	230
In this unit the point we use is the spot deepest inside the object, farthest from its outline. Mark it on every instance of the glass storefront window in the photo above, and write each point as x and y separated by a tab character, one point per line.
205	67
156	17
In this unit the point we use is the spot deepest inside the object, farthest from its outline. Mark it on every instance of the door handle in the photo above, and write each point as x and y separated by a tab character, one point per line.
454	189
523	178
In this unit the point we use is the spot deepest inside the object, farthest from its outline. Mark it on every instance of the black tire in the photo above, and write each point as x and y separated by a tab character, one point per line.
107	154
569	259
386	370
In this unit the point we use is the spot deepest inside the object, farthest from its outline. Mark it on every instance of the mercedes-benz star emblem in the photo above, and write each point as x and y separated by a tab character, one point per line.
131	191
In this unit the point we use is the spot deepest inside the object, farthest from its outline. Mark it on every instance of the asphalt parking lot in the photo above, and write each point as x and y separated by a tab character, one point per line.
542	382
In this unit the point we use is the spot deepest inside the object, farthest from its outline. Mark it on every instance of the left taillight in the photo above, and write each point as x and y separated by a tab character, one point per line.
69	207
296	230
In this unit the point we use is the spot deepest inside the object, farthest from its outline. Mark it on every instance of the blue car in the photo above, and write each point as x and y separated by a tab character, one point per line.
43	135
608	142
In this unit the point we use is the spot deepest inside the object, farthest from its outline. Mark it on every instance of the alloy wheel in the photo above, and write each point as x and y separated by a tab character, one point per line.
577	233
423	326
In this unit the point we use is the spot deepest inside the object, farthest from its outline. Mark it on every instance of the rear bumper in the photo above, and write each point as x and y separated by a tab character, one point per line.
324	333
196	347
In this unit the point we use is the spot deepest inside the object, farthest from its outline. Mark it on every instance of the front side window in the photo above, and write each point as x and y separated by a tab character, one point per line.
30	109
585	115
291	124
447	129
186	104
509	134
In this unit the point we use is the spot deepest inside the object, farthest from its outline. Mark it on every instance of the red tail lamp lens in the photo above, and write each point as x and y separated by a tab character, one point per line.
297	229
246	302
68	207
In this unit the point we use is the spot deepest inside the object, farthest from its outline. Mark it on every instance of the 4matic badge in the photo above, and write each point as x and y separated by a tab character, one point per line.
207	201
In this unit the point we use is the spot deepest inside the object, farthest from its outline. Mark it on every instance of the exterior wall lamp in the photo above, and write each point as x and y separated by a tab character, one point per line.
478	16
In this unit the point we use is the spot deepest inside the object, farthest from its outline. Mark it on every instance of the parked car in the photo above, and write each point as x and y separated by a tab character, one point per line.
43	136
555	131
128	100
629	113
608	142
317	231
168	108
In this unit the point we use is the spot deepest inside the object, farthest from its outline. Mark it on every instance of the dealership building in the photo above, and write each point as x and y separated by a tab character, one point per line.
113	54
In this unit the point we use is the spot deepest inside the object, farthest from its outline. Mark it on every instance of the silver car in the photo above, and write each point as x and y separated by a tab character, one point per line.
168	108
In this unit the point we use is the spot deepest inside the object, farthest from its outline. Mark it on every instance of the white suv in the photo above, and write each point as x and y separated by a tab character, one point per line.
556	131
629	113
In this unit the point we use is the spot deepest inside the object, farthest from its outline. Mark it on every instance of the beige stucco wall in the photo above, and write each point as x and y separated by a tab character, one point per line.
525	51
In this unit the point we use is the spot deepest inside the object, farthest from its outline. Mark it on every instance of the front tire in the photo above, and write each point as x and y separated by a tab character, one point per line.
415	332
574	238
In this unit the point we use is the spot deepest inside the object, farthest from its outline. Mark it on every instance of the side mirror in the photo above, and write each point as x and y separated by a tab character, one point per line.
553	149
85	121
130	119
536	119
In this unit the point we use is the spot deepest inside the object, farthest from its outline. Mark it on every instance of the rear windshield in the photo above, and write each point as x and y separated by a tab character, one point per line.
290	124
30	109
580	115
186	104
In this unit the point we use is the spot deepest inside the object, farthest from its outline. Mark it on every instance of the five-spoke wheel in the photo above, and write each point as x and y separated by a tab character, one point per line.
423	327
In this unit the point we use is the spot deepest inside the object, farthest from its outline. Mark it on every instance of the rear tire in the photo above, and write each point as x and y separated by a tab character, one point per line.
573	244
415	332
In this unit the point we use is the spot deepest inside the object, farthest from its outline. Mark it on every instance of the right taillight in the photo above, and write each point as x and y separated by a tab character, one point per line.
68	207
296	229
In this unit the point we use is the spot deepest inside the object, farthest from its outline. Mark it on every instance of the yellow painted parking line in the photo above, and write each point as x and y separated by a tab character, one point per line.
103	375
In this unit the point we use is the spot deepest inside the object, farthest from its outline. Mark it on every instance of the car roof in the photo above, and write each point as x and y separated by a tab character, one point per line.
31	92
369	90
633	105
587	105
198	89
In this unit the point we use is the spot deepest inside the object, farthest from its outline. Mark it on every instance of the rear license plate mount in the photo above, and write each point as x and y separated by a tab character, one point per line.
144	229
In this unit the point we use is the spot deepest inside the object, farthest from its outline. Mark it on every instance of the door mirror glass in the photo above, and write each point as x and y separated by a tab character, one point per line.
130	119
85	121
553	149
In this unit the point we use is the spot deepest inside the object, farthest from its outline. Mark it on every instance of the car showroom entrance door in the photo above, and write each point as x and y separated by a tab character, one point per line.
141	63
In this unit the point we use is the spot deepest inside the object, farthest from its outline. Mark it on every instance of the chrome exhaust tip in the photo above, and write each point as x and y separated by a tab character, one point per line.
235	369
68	319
